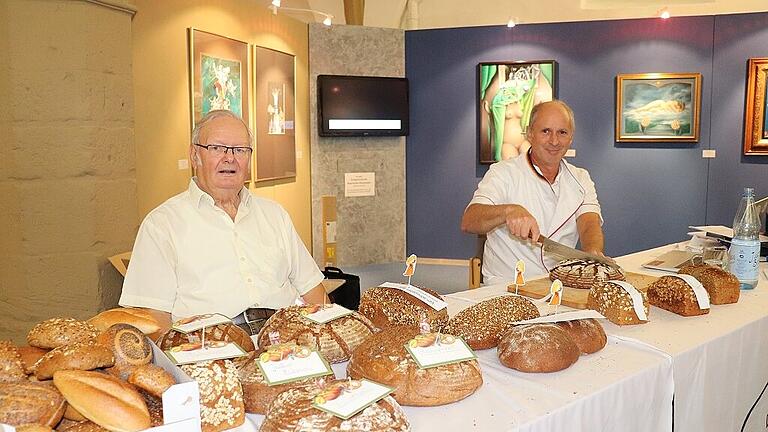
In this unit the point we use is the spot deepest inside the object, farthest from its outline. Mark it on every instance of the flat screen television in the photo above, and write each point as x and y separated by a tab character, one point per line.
362	106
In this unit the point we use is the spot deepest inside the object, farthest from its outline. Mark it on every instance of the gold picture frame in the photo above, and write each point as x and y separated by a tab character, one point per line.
658	107
755	112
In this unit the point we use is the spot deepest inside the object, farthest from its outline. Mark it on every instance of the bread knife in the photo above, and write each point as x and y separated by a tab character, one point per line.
554	248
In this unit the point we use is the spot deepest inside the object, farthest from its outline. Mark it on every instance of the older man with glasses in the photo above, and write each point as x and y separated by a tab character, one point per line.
216	247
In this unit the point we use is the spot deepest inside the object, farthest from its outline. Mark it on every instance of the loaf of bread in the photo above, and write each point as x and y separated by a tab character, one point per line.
55	332
29	356
85	426
104	400
616	304
383	358
481	325
30	403
588	334
537	348
221	395
223	332
72	414
11	366
582	274
138	318
33	428
722	286
128	344
152	379
335	339
292	410
676	295
386	306
87	355
155	407
257	394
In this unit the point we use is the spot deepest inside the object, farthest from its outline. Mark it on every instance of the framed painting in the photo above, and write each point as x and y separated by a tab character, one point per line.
275	156
755	112
658	107
219	75
507	92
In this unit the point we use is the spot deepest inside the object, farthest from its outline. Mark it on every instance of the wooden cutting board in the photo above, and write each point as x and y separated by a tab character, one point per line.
573	297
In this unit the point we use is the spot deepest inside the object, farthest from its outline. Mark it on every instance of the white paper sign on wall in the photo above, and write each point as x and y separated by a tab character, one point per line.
359	184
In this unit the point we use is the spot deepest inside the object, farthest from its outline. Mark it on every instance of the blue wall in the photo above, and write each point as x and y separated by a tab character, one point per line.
649	193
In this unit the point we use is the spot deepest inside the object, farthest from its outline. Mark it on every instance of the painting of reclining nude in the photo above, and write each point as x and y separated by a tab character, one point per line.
658	107
507	94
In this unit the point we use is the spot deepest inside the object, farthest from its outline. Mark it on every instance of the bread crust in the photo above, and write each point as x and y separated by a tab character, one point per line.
588	334
675	295
390	306
615	304
481	325
537	348
55	332
87	355
722	286
138	318
28	402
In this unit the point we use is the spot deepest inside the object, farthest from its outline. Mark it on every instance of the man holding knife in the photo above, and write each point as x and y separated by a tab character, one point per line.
535	193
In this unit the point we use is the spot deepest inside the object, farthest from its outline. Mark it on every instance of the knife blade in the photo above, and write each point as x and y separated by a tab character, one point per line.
563	251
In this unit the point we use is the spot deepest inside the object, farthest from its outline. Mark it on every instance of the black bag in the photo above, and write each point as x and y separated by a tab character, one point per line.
348	294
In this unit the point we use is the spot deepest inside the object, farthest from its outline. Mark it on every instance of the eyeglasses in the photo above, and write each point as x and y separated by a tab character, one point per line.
220	150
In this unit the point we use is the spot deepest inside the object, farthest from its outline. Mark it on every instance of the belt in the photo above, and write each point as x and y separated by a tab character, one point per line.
253	319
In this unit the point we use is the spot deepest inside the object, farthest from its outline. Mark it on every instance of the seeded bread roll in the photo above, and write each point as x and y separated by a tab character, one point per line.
128	344
104	399
615	303
221	396
391	306
588	334
383	358
335	339
55	332
11	366
537	348
257	394
722	286
292	410
222	332
675	295
152	379
30	403
481	325
77	356
138	318
582	274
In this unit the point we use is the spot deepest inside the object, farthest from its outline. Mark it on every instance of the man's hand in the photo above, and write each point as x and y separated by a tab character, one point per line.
521	223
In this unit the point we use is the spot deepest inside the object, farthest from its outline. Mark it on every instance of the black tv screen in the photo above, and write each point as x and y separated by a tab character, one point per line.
362	106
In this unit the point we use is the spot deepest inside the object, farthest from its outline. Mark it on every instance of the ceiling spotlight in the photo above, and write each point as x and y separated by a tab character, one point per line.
327	20
511	23
664	14
276	3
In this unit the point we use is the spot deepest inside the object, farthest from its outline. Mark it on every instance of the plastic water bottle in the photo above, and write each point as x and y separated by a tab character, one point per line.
745	246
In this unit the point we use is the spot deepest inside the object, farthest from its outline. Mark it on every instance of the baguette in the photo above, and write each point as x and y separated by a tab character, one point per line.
138	318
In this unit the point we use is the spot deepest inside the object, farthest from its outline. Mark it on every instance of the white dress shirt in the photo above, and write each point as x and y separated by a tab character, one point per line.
191	258
555	207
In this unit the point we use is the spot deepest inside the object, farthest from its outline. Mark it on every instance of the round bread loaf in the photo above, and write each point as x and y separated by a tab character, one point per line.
292	410
77	356
30	403
481	325
257	394
582	274
537	348
384	359
11	365
29	356
152	379
128	344
55	332
138	318
104	400
223	332
722	286
335	339
221	395
390	306
588	334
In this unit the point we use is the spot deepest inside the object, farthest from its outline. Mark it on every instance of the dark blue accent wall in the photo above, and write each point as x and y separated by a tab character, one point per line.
649	193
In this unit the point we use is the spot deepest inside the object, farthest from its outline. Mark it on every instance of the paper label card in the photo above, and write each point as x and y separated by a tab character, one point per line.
7	428
289	362
436	349
322	314
637	299
433	302
347	398
701	294
194	352
565	316
196	322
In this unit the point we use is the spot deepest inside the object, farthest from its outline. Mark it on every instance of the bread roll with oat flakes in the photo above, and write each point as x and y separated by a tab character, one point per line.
675	295
87	355
221	395
481	325
615	303
11	365
55	332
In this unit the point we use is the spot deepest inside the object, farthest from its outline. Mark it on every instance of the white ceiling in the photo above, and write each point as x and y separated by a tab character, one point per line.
422	14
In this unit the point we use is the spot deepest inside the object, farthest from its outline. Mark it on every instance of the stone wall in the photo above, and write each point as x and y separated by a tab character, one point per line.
67	170
369	229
